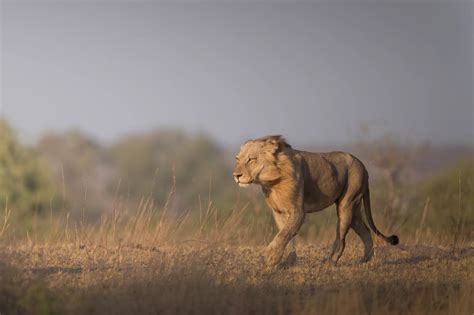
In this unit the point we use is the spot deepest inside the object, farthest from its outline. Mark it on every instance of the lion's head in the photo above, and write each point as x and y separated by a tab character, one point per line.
257	163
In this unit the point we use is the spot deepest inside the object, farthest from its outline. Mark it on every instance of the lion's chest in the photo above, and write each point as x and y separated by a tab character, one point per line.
280	201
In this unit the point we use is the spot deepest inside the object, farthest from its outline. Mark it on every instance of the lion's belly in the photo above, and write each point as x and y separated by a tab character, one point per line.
319	197
317	206
323	189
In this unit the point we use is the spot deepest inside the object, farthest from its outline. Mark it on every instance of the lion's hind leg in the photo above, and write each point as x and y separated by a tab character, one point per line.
363	232
344	220
335	244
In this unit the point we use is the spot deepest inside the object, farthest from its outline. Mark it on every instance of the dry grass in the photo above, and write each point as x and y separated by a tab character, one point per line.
212	278
151	263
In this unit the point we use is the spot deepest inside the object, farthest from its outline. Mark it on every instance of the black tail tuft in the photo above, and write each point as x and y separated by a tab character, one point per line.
393	240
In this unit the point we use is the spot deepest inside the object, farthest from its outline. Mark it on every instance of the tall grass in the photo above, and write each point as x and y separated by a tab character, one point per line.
151	225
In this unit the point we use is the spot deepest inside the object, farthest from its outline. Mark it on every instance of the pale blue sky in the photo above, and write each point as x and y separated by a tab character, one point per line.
311	71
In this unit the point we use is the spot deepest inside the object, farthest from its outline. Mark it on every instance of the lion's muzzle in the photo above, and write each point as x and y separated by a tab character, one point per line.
238	180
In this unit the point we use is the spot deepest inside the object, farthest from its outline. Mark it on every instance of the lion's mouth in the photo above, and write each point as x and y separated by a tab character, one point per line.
243	184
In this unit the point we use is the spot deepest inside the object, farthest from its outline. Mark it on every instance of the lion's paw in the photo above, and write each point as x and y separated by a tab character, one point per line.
273	256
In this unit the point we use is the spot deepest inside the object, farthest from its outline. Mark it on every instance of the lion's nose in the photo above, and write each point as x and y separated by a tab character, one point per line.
237	174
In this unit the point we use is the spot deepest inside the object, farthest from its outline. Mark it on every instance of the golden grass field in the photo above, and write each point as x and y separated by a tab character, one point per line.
150	262
97	275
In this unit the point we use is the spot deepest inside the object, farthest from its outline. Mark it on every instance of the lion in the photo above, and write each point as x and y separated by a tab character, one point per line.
297	182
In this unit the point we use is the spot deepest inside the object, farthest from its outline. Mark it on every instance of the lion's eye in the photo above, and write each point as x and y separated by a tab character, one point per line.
252	159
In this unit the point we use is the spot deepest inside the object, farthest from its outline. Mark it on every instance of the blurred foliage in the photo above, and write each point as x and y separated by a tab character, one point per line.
82	170
451	199
26	184
174	169
178	174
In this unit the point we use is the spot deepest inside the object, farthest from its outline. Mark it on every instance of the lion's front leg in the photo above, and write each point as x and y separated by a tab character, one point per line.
280	221
275	250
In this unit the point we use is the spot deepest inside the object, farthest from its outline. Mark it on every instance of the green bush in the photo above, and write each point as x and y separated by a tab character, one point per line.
26	183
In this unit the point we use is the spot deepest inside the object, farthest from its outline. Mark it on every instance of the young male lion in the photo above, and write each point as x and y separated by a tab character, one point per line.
297	182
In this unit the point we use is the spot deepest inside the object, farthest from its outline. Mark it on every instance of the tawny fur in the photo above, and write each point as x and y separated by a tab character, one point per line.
297	182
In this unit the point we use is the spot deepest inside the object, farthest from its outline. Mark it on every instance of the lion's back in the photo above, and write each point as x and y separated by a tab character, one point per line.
338	163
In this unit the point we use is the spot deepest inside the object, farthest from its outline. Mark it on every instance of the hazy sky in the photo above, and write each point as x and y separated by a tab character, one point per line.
311	71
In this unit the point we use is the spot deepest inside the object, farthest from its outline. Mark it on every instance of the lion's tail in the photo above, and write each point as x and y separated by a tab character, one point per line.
393	240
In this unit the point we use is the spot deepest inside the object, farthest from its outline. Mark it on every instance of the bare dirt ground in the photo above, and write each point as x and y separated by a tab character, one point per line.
199	277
